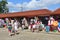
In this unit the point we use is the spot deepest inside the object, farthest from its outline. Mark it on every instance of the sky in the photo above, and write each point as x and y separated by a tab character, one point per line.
26	5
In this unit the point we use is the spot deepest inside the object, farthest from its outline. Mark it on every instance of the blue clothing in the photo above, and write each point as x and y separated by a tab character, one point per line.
47	28
59	24
9	28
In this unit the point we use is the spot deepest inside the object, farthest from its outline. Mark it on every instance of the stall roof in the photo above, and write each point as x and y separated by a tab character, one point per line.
57	11
41	12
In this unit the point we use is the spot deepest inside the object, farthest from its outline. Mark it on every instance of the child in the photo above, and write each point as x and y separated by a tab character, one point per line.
9	28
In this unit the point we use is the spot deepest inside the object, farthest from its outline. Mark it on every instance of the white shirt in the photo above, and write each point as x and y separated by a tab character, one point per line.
34	26
50	22
16	26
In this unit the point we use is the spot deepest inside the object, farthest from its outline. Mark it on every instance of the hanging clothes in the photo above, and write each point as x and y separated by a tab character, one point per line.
55	23
47	28
59	26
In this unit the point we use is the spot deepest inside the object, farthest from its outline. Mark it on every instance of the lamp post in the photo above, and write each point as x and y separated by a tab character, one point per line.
21	6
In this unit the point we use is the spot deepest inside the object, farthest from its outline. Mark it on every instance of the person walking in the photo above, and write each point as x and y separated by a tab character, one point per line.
9	28
16	26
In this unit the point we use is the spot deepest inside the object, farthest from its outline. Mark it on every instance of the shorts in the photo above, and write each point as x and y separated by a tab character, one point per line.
9	28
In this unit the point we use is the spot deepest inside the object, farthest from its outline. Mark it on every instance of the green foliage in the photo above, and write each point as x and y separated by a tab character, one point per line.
3	7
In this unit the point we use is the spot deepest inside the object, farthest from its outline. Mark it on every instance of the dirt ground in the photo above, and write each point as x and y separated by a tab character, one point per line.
27	35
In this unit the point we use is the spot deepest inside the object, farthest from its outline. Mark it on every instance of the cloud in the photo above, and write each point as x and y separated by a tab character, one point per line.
42	3
13	11
14	7
33	4
10	4
49	2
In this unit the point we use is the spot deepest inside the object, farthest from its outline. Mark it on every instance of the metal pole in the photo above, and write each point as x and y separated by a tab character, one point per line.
22	6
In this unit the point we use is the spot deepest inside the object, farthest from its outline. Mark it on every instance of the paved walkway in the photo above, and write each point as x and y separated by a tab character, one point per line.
27	35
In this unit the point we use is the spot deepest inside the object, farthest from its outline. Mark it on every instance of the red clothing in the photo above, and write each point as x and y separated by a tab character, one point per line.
9	30
31	26
37	22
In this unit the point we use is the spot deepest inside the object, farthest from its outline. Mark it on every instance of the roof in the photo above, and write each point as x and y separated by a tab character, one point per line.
27	13
57	11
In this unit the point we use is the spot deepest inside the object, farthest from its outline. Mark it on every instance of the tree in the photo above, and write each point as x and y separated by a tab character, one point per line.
0	8
3	7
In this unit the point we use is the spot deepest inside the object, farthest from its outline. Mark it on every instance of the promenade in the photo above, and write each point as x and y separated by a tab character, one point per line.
28	35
